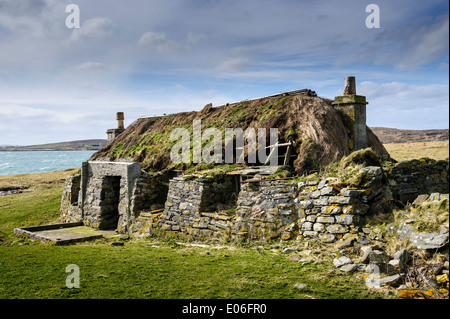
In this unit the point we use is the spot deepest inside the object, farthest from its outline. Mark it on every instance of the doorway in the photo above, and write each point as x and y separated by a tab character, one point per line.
109	202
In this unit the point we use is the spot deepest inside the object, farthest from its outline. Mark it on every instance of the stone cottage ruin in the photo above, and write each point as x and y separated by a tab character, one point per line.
130	186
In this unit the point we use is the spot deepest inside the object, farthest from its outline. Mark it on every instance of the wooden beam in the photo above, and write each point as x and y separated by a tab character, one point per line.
287	155
279	145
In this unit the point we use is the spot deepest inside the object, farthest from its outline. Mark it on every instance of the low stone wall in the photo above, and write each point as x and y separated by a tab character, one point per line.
70	211
187	210
266	210
149	193
222	208
409	179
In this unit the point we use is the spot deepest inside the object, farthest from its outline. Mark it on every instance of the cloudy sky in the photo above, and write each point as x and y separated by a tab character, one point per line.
153	57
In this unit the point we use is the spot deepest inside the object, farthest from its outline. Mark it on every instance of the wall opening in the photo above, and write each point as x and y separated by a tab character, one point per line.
109	202
221	194
75	190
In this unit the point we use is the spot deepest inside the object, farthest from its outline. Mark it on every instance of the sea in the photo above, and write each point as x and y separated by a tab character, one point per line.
24	162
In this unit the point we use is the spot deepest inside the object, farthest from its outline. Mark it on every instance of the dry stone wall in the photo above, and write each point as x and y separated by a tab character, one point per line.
266	210
70	210
409	179
223	208
329	213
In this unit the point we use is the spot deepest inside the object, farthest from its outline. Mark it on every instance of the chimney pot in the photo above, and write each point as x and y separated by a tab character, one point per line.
350	86
120	118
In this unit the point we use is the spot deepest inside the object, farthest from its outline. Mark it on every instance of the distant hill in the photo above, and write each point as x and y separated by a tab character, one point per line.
94	145
391	135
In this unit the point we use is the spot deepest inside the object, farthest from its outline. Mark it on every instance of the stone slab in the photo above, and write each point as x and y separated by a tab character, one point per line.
62	234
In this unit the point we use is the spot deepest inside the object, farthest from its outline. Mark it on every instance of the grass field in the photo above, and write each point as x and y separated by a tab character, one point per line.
164	269
149	268
408	151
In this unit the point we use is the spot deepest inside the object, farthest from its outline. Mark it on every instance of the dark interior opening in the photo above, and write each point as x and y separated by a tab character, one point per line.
75	190
221	194
109	196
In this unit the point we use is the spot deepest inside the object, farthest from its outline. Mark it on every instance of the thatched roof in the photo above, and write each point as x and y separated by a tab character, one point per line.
315	127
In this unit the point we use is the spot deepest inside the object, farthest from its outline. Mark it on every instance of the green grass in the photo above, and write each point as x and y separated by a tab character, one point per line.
408	151
35	270
138	270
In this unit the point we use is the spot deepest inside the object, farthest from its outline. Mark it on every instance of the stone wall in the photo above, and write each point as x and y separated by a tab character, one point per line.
104	195
265	210
223	208
190	209
328	213
70	210
409	179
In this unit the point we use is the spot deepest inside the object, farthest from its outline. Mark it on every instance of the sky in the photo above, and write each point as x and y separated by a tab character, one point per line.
152	57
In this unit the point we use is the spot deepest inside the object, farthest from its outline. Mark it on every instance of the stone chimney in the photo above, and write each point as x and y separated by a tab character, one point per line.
114	132
353	110
120	118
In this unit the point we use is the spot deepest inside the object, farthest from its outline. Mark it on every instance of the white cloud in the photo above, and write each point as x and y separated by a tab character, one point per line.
94	28
406	47
92	66
89	90
406	106
420	46
29	18
236	60
23	111
170	56
196	38
159	41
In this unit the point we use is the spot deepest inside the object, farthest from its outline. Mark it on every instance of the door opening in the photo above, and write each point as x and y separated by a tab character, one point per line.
110	198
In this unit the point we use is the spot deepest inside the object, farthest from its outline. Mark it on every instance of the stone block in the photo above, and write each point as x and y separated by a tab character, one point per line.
307	204
336	229
342	200
376	281
318	227
327	237
310	233
325	220
429	240
328	191
315	194
345	219
378	257
341	261
347	192
321	201
307	226
331	210
349	268
322	184
420	200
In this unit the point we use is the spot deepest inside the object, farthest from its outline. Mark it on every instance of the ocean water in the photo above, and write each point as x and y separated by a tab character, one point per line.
41	161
